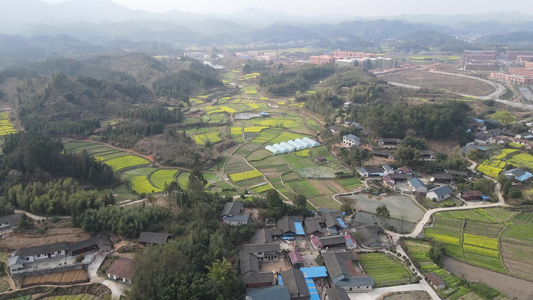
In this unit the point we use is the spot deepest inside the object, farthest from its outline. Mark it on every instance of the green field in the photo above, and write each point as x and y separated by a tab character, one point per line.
303	187
163	177
349	183
520	233
245	175
141	185
183	179
127	161
4	284
287	136
385	270
526	217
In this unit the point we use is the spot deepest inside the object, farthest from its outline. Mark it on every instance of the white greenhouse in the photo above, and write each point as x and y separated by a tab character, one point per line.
288	146
297	145
273	150
312	142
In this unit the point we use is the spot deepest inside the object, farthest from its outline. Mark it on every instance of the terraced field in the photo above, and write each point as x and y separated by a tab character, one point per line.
6	127
486	237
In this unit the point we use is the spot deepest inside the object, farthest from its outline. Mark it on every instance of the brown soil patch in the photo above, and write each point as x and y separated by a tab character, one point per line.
54	235
413	295
443	146
322	186
71	277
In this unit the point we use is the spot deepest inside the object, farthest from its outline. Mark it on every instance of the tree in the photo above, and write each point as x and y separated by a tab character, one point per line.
503	117
347	209
382	212
25	222
414	142
300	201
406	155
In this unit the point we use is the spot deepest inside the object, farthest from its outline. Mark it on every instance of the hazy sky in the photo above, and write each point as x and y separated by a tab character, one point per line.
317	7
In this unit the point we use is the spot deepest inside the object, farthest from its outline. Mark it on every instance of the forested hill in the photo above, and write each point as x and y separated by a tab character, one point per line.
66	104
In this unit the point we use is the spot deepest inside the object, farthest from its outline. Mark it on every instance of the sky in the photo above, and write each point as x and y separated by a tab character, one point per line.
320	7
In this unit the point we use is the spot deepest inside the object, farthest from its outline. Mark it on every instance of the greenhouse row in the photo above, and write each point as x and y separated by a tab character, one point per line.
293	145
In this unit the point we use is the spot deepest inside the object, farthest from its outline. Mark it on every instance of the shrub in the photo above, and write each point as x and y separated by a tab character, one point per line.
79	258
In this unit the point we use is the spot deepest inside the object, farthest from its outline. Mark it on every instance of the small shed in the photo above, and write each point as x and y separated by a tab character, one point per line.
435	280
296	259
154	238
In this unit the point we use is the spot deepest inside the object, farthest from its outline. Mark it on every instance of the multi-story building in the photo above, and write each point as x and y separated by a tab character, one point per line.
521	71
348	54
517	79
479	60
512	55
528	64
520	59
321	60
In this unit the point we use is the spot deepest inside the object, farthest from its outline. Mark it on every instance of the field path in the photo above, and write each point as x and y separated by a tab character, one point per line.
39	218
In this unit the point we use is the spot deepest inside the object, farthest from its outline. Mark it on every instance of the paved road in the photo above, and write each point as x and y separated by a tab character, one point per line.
381	291
500	89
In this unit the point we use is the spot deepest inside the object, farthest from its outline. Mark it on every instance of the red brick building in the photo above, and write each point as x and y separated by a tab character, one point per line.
518	79
321	60
520	59
478	56
348	54
512	55
521	71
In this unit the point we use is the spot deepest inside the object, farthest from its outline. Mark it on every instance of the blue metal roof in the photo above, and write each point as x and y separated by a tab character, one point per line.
341	222
314	272
524	177
299	228
312	289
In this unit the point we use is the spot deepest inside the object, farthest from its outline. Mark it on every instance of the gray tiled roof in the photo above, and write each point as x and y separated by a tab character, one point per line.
232	208
312	224
248	262
415	183
331	218
12	219
337	293
441	190
286	223
336	264
261	236
44	249
267	247
332	240
277	292
102	241
251	278
294	280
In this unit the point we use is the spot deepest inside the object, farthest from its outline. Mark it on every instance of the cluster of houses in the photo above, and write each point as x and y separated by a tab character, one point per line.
61	257
266	276
484	136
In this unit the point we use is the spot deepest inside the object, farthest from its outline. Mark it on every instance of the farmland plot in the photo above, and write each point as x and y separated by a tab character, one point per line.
385	270
127	161
161	177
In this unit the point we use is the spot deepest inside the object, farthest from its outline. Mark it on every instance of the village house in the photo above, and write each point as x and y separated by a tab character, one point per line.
370	236
328	242
320	159
482	138
441	178
315	226
337	293
406	170
394	178
251	274
265	235
100	242
334	222
296	259
154	238
384	154
389	142
42	252
294	280
277	292
335	129
471	195
351	243
291	226
351	140
234	214
343	274
417	186
373	171
427	154
517	175
457	174
267	251
435	280
122	269
9	221
440	193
